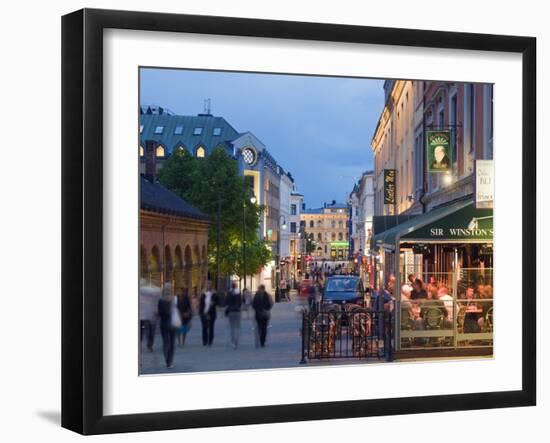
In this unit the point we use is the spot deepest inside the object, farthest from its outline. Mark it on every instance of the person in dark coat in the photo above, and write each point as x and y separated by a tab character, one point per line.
186	313
166	306
262	304
233	313
207	313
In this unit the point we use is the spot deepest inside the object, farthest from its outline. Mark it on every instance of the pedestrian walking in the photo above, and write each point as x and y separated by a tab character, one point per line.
186	313
283	287
170	322
233	313
262	304
148	308
207	312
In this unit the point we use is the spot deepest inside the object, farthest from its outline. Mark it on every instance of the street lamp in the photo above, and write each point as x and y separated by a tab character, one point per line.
281	226
253	201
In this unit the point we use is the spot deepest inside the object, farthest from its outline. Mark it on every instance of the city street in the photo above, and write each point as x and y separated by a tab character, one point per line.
283	347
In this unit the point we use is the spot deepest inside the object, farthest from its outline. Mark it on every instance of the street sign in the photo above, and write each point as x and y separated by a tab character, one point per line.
389	186
484	184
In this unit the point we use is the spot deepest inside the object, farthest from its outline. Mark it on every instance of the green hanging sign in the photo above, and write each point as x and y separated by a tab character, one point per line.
439	151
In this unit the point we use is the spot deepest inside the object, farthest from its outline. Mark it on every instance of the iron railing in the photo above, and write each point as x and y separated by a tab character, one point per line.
351	332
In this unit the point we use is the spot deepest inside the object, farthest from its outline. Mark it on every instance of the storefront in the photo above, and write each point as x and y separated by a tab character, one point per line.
450	250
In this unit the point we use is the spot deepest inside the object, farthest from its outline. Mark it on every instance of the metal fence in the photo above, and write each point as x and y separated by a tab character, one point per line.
352	332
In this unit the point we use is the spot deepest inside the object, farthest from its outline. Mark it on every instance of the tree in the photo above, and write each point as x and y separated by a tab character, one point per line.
310	243
201	181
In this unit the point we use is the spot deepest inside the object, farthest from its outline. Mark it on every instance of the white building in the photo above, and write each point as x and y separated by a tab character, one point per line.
286	186
296	207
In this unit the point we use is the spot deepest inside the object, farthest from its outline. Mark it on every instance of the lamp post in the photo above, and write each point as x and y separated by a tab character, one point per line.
281	227
253	201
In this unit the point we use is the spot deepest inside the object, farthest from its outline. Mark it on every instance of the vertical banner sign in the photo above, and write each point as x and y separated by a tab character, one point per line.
484	184
389	186
439	151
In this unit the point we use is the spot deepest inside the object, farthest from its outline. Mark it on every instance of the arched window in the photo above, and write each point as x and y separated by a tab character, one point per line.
201	152
333	224
319	237
159	151
179	258
340	224
167	258
311	224
141	151
340	236
333	236
319	223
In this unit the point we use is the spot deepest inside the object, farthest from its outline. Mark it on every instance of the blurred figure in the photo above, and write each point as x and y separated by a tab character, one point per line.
148	308
233	312
169	323
262	304
283	289
418	291
207	312
186	313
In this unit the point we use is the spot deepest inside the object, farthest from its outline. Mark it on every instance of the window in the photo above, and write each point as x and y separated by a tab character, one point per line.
141	151
293	227
159	151
178	130
333	224
340	223
293	209
159	129
319	223
472	122
197	131
217	131
333	236
340	236
319	238
201	152
141	129
311	224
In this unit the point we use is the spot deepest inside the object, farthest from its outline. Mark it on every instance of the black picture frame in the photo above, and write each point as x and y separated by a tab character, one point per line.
82	219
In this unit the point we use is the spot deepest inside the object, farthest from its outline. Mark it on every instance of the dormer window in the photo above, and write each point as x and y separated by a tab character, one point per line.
159	151
141	129
197	131
217	131
201	152
141	151
159	129
178	130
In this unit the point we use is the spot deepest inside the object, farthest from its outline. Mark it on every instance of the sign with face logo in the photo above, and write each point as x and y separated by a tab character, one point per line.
439	151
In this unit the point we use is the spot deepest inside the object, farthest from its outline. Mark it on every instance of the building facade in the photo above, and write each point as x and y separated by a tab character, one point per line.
173	240
294	224
329	229
203	133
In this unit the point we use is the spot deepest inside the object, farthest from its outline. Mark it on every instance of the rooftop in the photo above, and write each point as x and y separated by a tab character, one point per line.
156	198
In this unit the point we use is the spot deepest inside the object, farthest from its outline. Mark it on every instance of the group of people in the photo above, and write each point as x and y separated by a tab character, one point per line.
174	313
418	297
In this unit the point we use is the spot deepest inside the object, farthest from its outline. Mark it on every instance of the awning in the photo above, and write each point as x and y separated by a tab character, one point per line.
454	223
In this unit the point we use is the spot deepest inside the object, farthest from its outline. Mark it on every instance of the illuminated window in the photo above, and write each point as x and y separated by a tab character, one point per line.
178	130
201	152
217	131
159	129
141	151
159	151
140	129
197	131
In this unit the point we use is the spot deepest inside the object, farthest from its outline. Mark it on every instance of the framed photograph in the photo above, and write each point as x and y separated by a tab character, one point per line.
263	220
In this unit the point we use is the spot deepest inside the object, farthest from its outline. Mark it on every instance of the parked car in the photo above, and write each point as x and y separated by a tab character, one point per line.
343	289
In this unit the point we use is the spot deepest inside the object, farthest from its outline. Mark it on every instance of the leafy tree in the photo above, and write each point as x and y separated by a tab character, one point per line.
205	181
310	243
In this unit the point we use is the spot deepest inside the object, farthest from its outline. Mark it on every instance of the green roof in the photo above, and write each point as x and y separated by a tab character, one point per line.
457	222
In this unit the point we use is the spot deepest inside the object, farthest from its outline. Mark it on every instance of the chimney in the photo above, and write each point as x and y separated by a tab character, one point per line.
150	161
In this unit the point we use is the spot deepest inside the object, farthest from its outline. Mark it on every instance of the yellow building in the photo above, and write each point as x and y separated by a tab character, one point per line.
329	227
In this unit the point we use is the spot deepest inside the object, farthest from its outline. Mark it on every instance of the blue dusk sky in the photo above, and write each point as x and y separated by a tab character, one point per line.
317	128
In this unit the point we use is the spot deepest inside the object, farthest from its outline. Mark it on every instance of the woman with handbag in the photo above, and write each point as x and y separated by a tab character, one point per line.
170	322
186	313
